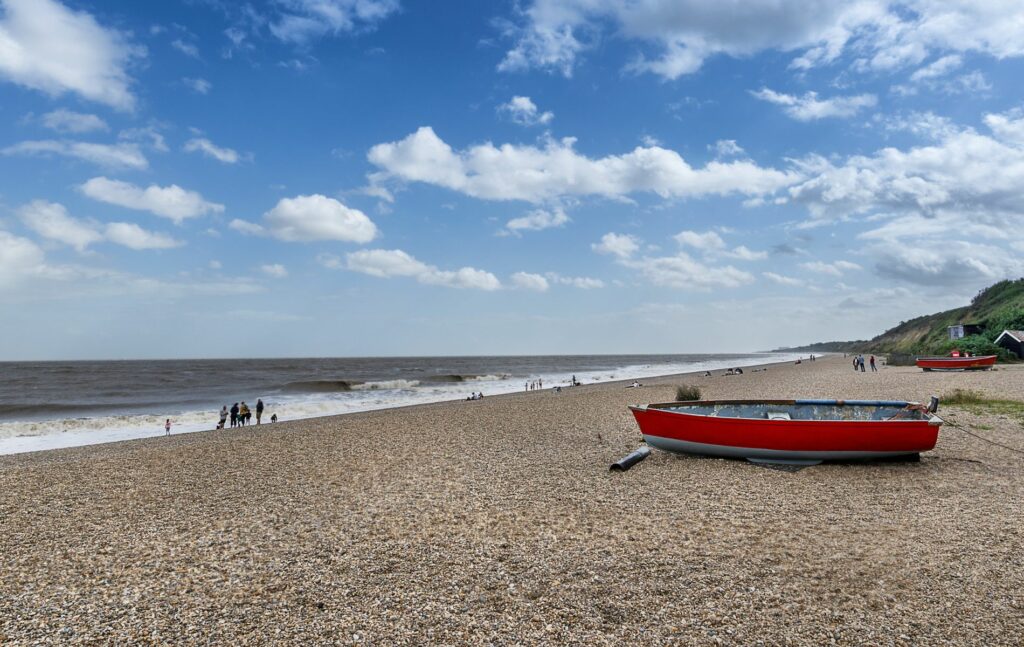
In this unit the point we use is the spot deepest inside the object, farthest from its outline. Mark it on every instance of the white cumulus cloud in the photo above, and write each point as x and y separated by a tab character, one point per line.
618	245
962	172
52	220
308	218
581	282
782	279
303	20
744	253
881	34
810	108
197	85
69	121
171	202
275	270
130	235
188	49
19	259
387	263
709	240
527	281
683	272
537	174
940	67
523	111
837	268
209	149
47	46
726	148
109	155
537	220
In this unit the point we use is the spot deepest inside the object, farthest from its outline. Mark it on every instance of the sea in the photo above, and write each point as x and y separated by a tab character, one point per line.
47	405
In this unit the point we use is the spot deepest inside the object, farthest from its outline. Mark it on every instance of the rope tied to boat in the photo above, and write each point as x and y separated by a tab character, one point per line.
954	425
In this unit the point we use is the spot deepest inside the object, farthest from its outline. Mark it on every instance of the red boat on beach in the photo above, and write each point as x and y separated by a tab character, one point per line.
796	432
957	363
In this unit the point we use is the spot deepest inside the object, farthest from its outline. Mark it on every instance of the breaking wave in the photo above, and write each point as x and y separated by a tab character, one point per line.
387	384
320	386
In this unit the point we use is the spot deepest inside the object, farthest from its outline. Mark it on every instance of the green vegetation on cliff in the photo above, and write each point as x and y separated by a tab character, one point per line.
996	308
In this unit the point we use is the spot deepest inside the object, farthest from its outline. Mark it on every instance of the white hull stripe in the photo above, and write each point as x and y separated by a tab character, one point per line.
688	447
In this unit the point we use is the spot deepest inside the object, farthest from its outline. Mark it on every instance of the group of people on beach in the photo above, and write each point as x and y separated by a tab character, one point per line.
241	414
475	396
858	363
538	384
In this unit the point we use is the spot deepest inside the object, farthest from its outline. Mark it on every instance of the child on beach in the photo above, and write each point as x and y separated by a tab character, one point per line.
167	427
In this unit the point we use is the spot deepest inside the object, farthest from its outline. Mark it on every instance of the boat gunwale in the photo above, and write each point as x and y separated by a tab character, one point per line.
666	407
948	358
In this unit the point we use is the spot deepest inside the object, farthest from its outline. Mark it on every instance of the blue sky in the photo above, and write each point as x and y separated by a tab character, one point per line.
198	178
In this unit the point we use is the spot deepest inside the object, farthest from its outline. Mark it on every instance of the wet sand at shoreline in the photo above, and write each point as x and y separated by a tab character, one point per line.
497	521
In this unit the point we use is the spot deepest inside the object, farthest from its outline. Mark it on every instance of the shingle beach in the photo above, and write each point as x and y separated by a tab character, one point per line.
498	522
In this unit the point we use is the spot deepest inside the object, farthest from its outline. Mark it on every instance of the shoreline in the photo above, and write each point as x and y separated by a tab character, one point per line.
22	444
497	520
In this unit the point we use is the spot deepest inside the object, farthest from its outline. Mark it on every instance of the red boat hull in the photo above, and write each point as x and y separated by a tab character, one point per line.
808	441
956	363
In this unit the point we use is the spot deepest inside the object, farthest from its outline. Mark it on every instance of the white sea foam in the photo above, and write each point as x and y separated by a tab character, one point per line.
386	384
17	437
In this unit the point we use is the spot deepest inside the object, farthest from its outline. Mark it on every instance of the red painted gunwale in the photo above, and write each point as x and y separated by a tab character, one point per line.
954	363
904	436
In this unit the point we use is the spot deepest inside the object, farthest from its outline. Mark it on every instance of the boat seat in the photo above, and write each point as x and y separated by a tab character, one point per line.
778	415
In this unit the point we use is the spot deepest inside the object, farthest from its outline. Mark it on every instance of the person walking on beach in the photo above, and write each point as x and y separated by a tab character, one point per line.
874	369
234	415
243	413
259	410
167	427
223	416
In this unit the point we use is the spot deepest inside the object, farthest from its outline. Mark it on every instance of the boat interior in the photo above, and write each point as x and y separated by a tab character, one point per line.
800	410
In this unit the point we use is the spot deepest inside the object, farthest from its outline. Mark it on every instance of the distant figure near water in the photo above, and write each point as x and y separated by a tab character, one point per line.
234	415
167	427
259	410
223	417
273	418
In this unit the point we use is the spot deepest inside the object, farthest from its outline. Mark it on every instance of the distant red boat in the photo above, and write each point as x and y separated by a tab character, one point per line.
951	363
798	432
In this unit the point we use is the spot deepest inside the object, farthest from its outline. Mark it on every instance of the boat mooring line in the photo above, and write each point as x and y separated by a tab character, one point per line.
954	425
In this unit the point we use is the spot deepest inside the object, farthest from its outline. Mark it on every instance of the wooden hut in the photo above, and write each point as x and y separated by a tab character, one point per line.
962	330
1012	340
